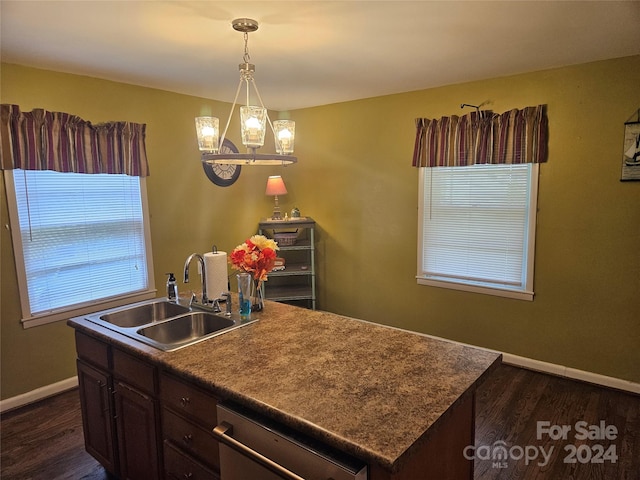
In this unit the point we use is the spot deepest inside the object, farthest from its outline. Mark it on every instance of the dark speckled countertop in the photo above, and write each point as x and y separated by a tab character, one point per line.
372	391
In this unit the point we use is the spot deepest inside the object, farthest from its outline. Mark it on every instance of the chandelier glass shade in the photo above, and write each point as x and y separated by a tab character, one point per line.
253	122
208	134
285	132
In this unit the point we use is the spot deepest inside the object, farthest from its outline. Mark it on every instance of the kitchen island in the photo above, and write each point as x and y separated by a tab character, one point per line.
399	401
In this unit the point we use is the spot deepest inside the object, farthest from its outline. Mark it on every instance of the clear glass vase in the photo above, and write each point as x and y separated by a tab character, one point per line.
245	287
257	300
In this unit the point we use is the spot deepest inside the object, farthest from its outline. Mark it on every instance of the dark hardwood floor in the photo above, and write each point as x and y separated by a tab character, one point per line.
45	441
514	402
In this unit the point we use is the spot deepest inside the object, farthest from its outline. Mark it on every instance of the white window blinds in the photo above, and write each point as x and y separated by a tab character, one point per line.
83	237
476	224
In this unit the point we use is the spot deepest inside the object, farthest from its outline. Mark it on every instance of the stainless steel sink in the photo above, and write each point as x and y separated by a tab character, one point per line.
144	314
186	328
167	325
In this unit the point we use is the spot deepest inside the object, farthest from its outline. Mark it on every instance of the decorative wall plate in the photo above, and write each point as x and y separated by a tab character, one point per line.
223	175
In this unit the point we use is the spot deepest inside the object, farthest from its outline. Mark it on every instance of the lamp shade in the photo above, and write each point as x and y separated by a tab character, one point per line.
275	186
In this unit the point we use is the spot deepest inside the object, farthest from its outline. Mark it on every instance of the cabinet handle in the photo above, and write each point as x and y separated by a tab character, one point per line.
223	431
103	409
187	476
187	439
184	401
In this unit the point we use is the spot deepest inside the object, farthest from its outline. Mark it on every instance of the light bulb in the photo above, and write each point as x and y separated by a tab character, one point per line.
284	135
252	123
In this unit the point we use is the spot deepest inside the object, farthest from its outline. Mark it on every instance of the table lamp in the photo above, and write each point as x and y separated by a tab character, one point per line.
275	187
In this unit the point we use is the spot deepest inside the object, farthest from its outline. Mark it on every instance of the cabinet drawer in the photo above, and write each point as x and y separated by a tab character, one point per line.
190	437
179	466
134	371
189	400
92	350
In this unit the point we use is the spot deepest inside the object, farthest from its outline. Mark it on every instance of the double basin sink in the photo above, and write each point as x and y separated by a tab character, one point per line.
167	325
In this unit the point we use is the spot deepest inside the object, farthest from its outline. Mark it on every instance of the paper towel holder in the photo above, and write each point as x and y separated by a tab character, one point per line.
214	249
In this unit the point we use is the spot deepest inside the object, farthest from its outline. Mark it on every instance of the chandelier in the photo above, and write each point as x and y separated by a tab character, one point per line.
253	122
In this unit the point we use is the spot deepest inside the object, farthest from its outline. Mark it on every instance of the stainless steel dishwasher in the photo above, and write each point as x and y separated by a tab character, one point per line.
255	448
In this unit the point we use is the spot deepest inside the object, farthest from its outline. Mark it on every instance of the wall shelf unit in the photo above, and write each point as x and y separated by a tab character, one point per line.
296	284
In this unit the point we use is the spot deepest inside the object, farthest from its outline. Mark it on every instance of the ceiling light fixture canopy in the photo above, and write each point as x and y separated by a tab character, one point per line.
253	121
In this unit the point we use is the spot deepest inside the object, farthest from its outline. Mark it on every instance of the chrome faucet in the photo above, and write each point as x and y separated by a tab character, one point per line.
227	296
204	300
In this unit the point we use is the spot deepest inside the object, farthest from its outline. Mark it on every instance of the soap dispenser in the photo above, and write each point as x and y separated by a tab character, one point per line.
172	288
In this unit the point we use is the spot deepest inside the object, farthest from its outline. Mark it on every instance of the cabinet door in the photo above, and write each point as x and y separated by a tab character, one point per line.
137	434
94	387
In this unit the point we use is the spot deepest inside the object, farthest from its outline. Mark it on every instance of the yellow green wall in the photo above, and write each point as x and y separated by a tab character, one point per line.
354	177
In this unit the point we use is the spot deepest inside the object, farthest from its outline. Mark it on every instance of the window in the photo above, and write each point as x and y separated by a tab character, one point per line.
477	228
81	242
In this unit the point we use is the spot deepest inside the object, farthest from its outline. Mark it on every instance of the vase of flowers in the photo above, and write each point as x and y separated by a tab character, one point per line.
257	257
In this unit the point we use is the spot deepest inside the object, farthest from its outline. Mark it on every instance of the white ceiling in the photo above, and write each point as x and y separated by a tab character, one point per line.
310	53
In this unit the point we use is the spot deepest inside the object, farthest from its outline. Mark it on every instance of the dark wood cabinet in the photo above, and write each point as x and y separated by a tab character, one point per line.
141	424
188	418
179	466
137	433
119	410
95	403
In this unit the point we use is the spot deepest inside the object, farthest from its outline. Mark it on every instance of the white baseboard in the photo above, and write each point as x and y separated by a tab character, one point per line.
38	394
573	373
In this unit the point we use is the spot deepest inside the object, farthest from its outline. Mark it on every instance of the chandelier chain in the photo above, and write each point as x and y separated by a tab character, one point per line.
246	56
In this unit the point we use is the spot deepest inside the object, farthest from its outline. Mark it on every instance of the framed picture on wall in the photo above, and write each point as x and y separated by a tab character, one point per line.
631	155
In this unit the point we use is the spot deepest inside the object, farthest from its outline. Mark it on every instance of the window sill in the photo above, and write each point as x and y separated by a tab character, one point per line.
499	292
58	315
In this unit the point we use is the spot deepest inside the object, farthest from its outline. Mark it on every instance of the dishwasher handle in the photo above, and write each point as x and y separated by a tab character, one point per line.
223	433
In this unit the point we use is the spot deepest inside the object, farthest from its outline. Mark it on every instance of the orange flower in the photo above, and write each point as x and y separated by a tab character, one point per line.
257	255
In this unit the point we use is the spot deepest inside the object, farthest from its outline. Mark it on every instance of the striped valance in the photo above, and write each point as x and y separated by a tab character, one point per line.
516	136
42	140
